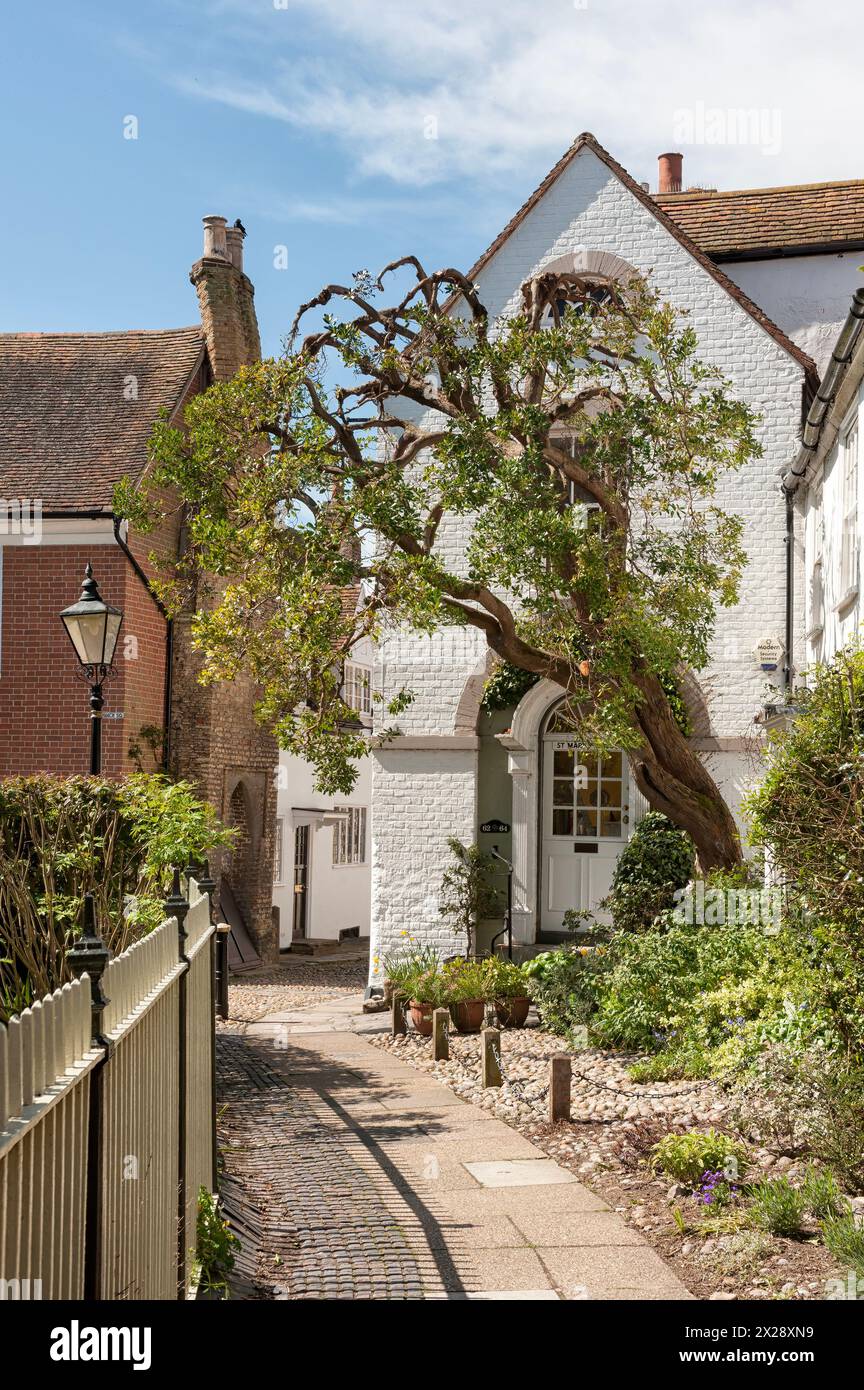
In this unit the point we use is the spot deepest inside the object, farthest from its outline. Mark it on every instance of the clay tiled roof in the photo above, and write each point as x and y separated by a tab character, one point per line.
350	597
68	433
588	141
754	222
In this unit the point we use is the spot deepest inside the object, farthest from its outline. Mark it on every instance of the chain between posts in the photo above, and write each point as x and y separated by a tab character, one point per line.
517	1088
634	1095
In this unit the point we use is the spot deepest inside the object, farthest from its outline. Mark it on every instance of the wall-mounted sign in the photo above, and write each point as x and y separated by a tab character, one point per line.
495	827
113	714
769	653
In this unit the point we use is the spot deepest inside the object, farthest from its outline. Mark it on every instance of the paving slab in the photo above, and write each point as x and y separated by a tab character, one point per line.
531	1172
521	1202
609	1271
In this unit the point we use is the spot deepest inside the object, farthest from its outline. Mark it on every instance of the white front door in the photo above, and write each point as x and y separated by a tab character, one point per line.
585	825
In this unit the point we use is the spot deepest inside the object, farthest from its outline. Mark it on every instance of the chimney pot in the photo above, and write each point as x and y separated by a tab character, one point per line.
235	236
669	173
215	242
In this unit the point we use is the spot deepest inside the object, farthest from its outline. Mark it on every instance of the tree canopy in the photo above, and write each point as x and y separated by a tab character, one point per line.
576	445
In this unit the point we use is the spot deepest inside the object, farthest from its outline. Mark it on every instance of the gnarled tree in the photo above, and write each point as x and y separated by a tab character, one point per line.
577	444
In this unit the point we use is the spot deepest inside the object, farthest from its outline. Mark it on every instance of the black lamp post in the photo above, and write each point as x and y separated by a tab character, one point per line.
93	627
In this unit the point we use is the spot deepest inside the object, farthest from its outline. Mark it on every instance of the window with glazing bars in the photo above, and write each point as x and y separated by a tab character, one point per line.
357	687
349	835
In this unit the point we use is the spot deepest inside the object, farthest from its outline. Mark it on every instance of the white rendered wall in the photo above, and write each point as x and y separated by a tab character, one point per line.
837	619
807	296
338	895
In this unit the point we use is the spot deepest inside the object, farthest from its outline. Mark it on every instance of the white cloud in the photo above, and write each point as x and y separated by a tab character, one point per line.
504	85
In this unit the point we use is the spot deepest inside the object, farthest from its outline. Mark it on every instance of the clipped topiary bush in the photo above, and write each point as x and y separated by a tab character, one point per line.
655	864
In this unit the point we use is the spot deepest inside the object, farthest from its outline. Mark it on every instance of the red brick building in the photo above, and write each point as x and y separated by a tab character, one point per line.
76	413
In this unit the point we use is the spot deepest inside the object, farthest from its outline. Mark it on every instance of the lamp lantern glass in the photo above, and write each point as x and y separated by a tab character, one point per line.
93	626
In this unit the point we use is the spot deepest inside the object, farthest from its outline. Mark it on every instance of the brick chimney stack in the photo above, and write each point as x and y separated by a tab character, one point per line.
216	740
227	300
669	173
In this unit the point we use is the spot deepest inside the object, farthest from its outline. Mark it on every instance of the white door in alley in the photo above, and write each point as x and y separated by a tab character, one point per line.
585	825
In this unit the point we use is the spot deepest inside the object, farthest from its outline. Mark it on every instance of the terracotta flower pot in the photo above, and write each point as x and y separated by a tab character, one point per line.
467	1015
421	1017
512	1013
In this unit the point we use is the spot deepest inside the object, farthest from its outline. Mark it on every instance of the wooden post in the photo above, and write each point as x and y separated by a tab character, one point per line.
397	1015
559	1087
440	1035
490	1051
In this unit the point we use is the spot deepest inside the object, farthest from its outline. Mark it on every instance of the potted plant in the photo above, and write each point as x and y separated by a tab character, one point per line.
508	987
468	891
465	988
428	992
401	967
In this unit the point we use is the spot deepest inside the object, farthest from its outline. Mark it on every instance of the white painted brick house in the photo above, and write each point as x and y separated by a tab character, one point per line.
826	483
453	767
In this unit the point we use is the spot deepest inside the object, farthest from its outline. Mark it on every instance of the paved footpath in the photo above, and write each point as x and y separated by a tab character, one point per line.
351	1175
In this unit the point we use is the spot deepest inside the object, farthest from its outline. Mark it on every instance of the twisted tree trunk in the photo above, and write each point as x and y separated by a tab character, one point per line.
674	780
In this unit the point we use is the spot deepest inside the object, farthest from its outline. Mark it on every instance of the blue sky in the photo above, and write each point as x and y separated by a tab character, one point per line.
353	131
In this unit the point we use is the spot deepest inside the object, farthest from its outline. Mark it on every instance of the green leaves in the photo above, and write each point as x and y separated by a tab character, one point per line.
549	478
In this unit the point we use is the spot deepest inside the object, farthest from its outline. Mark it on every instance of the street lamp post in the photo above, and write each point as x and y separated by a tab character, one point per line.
93	627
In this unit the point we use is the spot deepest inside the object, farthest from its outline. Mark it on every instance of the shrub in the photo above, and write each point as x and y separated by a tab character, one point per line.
809	812
656	863
63	837
844	1238
772	1098
688	1157
464	979
835	1127
682	985
821	1194
777	1206
504	979
810	1100
427	987
561	983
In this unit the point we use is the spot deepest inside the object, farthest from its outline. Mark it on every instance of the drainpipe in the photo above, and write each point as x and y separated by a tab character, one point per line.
169	641
790	590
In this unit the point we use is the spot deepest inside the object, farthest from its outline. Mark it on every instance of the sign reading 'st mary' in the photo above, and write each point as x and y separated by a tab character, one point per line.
769	653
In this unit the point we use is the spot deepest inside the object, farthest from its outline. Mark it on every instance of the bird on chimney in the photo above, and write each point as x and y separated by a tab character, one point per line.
239	225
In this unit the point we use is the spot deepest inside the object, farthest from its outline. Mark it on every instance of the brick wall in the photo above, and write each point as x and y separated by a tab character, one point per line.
44	709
